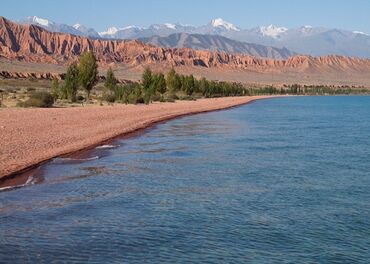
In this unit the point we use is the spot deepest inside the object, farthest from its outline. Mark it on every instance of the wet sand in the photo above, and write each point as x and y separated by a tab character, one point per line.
31	136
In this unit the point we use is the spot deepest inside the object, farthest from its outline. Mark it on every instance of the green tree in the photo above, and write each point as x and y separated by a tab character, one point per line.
189	84
173	81
71	82
147	79
160	83
136	95
203	86
110	80
88	71
55	88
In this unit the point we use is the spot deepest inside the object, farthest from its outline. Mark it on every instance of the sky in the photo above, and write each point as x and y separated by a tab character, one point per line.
101	14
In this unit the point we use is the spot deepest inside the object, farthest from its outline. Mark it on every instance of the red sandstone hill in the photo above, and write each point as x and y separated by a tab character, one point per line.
31	43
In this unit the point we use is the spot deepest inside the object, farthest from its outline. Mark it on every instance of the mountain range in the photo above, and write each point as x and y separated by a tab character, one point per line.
217	43
315	41
30	43
30	50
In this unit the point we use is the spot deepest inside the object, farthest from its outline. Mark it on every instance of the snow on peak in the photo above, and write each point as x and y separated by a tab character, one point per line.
272	31
110	31
306	29
114	30
77	26
170	26
40	21
219	22
130	27
360	33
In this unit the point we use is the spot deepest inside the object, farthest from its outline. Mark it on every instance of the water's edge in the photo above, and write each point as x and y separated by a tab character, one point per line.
20	177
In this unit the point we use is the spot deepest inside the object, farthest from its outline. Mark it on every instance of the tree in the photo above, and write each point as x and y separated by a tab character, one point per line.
160	83
148	94
203	86
189	84
147	79
173	81
55	88
88	71
110	80
71	82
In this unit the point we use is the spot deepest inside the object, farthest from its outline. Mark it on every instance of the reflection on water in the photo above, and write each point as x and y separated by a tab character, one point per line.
283	180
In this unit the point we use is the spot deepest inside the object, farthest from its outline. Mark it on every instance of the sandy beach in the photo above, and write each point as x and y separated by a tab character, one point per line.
32	136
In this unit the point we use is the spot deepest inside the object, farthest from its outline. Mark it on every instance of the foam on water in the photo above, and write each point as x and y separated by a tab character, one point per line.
61	160
107	146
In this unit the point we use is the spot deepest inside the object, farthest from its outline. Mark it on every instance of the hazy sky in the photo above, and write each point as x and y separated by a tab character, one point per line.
100	14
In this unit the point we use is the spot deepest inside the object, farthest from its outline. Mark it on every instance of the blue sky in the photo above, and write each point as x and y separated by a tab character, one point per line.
100	14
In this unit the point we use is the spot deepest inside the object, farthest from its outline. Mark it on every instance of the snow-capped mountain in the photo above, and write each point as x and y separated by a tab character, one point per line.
310	40
216	26
272	31
217	43
39	21
134	32
77	29
220	23
86	31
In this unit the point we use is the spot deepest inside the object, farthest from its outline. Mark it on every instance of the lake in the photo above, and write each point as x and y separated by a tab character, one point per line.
282	180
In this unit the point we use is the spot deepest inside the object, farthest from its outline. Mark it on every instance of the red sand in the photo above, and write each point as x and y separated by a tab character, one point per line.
31	136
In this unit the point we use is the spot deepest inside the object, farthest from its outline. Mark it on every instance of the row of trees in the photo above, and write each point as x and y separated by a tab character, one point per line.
157	86
84	74
296	89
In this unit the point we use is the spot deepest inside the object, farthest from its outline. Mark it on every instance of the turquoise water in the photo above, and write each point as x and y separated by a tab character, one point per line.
277	181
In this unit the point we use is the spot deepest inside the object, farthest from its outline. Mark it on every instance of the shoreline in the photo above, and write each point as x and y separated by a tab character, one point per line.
32	147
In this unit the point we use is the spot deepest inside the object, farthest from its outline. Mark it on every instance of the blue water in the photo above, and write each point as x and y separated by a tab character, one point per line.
277	181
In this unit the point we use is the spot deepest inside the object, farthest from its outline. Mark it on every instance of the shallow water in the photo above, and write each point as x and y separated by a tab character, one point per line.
284	180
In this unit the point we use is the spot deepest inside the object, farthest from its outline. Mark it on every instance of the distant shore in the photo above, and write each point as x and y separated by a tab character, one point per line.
31	136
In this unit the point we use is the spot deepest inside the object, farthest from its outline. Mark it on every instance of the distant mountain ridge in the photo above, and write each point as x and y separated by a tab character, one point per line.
32	43
76	29
315	41
21	44
217	43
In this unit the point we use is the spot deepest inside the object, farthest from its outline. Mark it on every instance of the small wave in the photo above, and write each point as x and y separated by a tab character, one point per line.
75	159
30	181
108	146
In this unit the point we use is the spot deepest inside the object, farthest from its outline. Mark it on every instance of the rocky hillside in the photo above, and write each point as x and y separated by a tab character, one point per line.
217	43
31	43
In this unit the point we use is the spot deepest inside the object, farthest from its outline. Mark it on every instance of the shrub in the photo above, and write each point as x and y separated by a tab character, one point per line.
110	80
109	97
39	99
30	89
188	98
80	98
55	88
157	98
170	100
173	97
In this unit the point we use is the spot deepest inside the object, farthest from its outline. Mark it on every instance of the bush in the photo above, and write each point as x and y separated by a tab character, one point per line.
170	100
30	89
139	100
172	97
188	98
157	98
39	99
108	97
80	98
